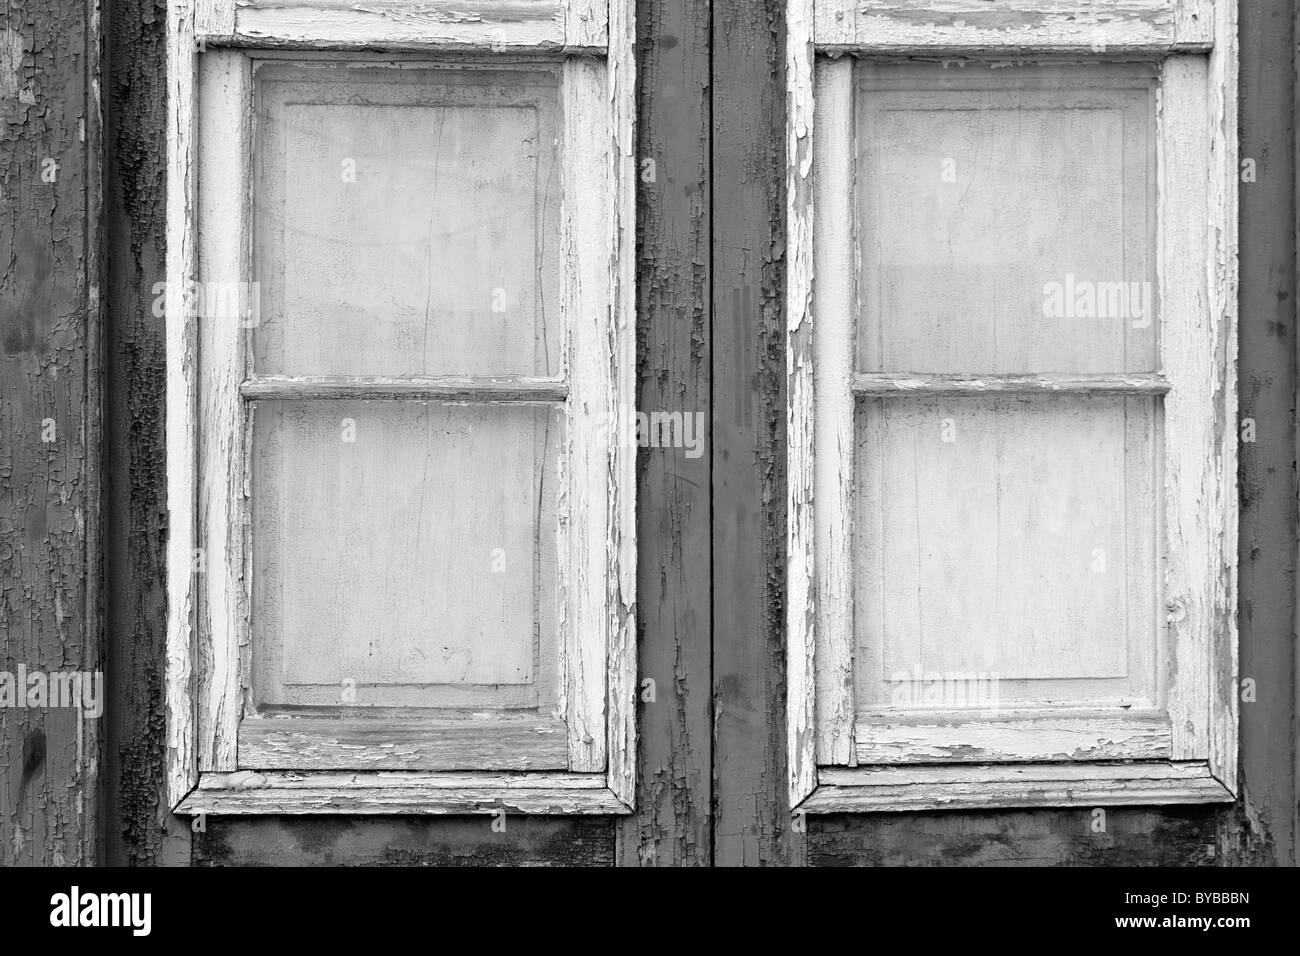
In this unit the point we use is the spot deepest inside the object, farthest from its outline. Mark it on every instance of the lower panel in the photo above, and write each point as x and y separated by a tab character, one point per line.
481	742
986	786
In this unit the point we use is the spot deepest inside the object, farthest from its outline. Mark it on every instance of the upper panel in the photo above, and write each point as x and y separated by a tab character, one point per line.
406	221
969	260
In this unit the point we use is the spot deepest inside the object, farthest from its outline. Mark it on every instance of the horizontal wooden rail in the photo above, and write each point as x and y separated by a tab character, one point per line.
435	389
885	385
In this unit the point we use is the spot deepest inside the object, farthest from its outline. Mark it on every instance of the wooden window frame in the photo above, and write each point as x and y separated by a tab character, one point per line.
1192	756
208	636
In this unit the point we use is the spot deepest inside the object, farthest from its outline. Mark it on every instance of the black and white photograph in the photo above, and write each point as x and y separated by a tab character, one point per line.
687	434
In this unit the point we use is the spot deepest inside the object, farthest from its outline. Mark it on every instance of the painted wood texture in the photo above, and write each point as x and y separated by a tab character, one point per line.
751	817
344	742
425	841
980	786
800	439
220	563
1263	824
1042	737
885	384
50	429
139	826
977	26
251	792
672	825
516	25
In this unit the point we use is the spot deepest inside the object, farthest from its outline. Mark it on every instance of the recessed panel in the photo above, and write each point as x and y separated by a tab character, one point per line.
407	221
406	550
1005	219
1008	537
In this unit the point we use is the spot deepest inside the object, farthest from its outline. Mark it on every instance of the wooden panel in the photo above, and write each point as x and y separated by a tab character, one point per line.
800	438
181	433
1267	539
505	742
885	385
1011	538
621	549
406	549
1034	737
214	17
751	816
139	829
483	25
224	133
441	388
586	179
971	261
1198	286
672	823
834	300
1011	25
421	841
407	221
51	82
979	786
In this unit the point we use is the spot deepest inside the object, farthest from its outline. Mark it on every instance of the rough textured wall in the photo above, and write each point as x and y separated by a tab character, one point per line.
49	430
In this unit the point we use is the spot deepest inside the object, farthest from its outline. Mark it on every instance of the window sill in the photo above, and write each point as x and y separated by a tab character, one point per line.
251	793
987	786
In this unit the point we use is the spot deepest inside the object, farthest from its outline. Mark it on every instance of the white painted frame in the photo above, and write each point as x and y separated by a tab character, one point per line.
208	641
1189	754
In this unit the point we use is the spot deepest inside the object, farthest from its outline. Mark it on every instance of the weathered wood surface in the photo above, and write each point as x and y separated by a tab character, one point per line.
50	379
404	841
673	820
139	829
672	823
752	825
1265	820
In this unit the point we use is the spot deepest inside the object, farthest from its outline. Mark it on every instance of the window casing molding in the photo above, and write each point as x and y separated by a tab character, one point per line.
212	51
1188	754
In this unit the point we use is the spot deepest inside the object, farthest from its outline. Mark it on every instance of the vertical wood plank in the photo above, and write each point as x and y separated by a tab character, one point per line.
751	784
671	826
1223	291
835	316
224	104
584	511
139	828
801	568
181	435
621	550
50	428
1267	359
1197	281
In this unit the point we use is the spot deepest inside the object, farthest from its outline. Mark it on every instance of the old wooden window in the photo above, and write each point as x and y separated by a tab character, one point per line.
402	561
1012	511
